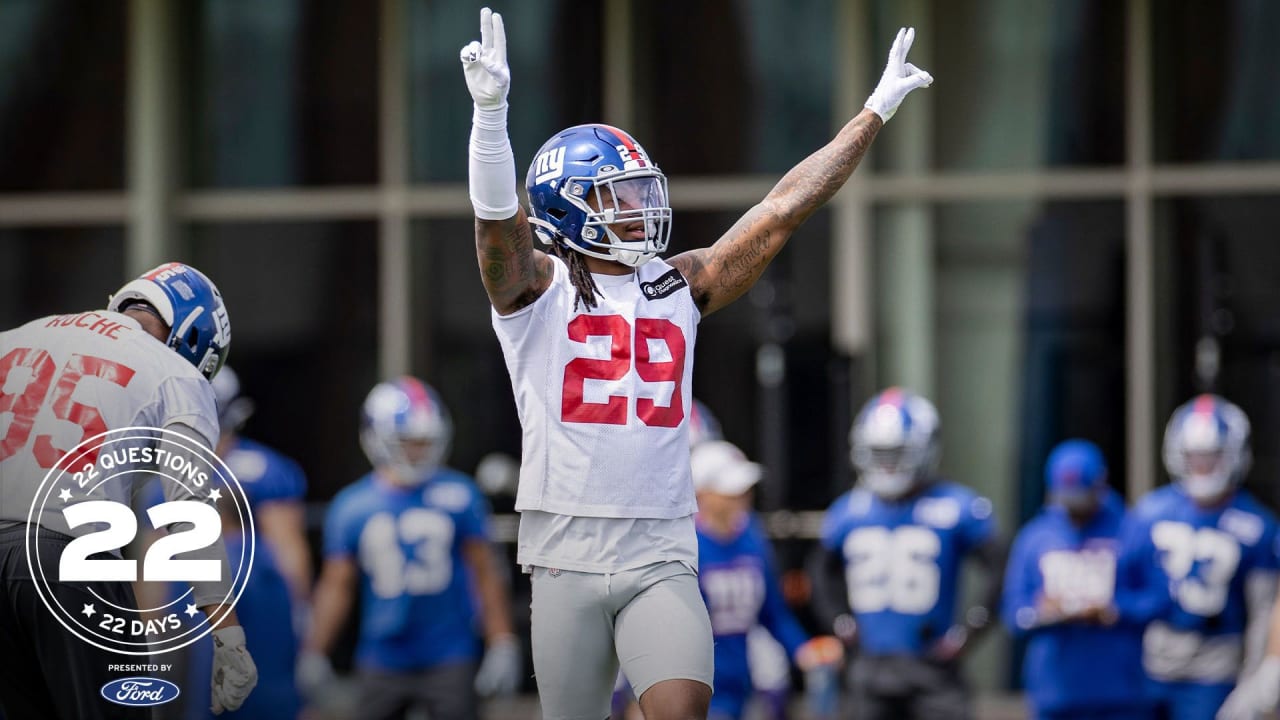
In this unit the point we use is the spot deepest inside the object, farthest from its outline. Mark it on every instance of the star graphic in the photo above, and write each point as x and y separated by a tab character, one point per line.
191	610
65	495
216	494
88	610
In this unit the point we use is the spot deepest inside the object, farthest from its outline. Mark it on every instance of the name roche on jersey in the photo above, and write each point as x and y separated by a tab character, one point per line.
140	691
664	285
93	321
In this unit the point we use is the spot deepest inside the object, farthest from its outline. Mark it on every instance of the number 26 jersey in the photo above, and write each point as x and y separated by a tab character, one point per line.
903	560
604	395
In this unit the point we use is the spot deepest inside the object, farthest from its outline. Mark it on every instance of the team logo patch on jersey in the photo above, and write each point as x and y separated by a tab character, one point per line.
668	283
140	691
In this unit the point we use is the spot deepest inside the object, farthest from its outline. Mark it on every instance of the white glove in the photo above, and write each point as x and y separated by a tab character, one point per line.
900	77
1254	695
313	674
234	674
484	63
499	672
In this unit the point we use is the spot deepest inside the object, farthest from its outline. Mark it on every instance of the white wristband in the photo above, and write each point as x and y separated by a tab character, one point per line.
492	168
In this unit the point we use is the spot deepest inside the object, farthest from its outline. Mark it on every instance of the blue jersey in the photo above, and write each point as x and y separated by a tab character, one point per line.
1072	667
1186	568
417	609
265	474
903	560
739	583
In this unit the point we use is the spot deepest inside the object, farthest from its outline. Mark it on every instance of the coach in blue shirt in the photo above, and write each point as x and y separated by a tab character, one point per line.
1082	660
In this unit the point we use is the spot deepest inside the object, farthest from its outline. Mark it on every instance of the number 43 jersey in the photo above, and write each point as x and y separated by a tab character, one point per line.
903	560
67	378
604	395
416	605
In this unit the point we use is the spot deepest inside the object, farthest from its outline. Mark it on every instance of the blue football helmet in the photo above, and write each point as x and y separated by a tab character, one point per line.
1206	447
189	302
895	443
703	426
397	415
604	166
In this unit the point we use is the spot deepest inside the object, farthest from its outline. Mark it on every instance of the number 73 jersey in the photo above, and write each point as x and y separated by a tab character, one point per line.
903	560
604	395
1201	557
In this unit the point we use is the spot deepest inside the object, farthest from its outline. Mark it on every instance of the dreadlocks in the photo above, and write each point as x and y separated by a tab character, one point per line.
579	275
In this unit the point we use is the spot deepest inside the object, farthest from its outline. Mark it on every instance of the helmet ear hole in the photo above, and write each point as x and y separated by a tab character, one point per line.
193	339
557	213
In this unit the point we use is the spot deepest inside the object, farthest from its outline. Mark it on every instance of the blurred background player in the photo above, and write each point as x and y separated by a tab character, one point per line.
411	537
1059	593
1201	556
894	547
739	579
606	502
274	484
135	382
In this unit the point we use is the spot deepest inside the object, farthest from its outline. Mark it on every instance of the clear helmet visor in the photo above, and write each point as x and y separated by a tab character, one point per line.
629	218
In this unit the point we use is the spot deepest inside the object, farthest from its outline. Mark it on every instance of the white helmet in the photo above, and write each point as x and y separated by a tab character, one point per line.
400	411
895	443
1206	446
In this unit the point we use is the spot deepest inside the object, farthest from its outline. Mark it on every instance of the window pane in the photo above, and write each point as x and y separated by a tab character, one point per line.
1217	80
726	102
454	347
281	92
1217	285
48	271
62	77
1020	84
553	48
303	303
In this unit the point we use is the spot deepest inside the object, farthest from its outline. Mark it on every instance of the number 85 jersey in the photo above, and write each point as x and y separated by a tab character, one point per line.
603	395
903	560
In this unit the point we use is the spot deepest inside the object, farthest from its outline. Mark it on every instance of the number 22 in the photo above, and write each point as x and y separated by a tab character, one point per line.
614	412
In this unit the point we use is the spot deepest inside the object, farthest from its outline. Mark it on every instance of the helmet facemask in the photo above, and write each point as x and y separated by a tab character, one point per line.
410	459
891	462
1205	455
633	201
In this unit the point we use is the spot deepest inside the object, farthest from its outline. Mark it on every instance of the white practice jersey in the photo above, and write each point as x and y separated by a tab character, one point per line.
604	395
66	378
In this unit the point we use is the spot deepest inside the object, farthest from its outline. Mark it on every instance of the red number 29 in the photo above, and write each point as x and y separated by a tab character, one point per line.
614	411
25	404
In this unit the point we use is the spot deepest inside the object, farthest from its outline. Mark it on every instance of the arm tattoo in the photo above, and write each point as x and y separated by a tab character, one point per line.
514	274
721	273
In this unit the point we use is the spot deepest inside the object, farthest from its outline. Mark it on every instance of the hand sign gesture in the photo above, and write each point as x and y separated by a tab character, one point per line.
900	77
484	63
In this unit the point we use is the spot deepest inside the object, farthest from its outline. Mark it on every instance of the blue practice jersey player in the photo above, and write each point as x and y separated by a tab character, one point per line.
895	544
274	484
1199	557
411	539
1059	593
739	579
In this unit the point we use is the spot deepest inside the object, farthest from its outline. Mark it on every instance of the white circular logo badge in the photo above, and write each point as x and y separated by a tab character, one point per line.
126	488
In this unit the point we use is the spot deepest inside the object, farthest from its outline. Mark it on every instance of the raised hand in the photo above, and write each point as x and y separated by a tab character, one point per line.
484	63
900	77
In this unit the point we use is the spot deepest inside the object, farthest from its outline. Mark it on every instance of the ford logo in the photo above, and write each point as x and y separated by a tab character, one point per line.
140	691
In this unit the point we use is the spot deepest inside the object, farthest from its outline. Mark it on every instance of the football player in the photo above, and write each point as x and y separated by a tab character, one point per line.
145	361
273	483
598	335
894	547
1059	593
739	579
1199	557
412	539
